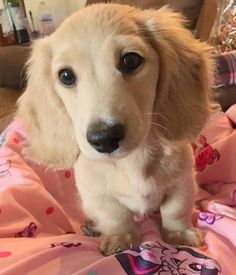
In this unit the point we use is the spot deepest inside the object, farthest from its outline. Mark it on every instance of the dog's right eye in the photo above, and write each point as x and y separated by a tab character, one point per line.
67	77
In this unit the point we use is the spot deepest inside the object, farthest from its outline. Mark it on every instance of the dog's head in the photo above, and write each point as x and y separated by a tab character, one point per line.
107	77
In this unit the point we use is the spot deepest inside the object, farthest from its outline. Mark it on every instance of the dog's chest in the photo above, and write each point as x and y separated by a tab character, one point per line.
141	201
123	181
141	195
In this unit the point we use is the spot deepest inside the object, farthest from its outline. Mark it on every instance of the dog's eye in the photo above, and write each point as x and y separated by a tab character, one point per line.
130	62
67	77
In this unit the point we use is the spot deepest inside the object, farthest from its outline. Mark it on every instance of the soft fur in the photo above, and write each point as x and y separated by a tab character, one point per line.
164	105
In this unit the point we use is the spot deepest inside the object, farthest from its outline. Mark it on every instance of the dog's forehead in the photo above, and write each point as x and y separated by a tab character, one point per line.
99	21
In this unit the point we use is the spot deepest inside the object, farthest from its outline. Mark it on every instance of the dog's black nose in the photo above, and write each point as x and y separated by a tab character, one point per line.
105	138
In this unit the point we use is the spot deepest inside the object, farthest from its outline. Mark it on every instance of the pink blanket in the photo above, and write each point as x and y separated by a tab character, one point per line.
43	231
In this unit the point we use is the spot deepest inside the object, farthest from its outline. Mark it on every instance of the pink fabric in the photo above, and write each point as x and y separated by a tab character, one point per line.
40	216
215	153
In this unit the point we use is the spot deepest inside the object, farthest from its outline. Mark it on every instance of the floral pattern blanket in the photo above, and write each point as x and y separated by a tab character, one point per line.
43	232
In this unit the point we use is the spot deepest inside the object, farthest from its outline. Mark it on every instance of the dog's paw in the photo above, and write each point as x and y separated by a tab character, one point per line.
89	229
118	242
189	237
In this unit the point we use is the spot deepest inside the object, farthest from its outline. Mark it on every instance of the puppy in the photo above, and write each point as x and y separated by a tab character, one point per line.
118	94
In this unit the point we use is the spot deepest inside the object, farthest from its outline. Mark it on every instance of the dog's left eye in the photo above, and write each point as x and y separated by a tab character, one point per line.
130	62
67	77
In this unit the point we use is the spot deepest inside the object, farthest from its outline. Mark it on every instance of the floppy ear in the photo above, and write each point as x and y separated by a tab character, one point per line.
186	73
52	140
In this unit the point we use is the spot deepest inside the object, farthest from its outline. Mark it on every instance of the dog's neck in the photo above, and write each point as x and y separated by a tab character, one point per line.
146	157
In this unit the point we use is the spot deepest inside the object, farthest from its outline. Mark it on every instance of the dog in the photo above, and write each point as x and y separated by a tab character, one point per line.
119	93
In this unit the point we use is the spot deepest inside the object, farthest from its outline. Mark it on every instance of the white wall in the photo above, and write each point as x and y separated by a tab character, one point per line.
1	4
74	5
60	9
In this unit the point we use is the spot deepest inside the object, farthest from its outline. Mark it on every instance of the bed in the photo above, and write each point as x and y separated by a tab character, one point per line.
43	230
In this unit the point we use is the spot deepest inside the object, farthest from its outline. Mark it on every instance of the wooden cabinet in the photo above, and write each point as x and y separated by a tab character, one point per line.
206	19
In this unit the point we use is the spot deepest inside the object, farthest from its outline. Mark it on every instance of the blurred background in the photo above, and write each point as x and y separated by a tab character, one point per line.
41	17
37	13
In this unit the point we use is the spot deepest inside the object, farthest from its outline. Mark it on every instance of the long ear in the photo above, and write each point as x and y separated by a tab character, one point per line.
186	73
52	141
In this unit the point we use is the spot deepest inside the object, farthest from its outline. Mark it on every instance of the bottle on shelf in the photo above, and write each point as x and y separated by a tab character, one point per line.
34	33
19	21
8	35
46	20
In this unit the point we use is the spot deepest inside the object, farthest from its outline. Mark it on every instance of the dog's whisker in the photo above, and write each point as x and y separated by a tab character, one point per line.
160	115
164	128
156	113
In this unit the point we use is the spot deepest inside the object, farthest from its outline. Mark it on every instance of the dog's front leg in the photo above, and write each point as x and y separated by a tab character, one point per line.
176	212
114	221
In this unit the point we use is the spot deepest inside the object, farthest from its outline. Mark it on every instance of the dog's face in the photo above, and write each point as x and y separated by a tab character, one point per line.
106	75
109	74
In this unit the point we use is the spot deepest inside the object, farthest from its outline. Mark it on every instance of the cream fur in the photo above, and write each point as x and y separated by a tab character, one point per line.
163	106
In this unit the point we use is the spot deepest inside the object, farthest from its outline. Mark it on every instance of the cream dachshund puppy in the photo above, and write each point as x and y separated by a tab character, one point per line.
118	94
